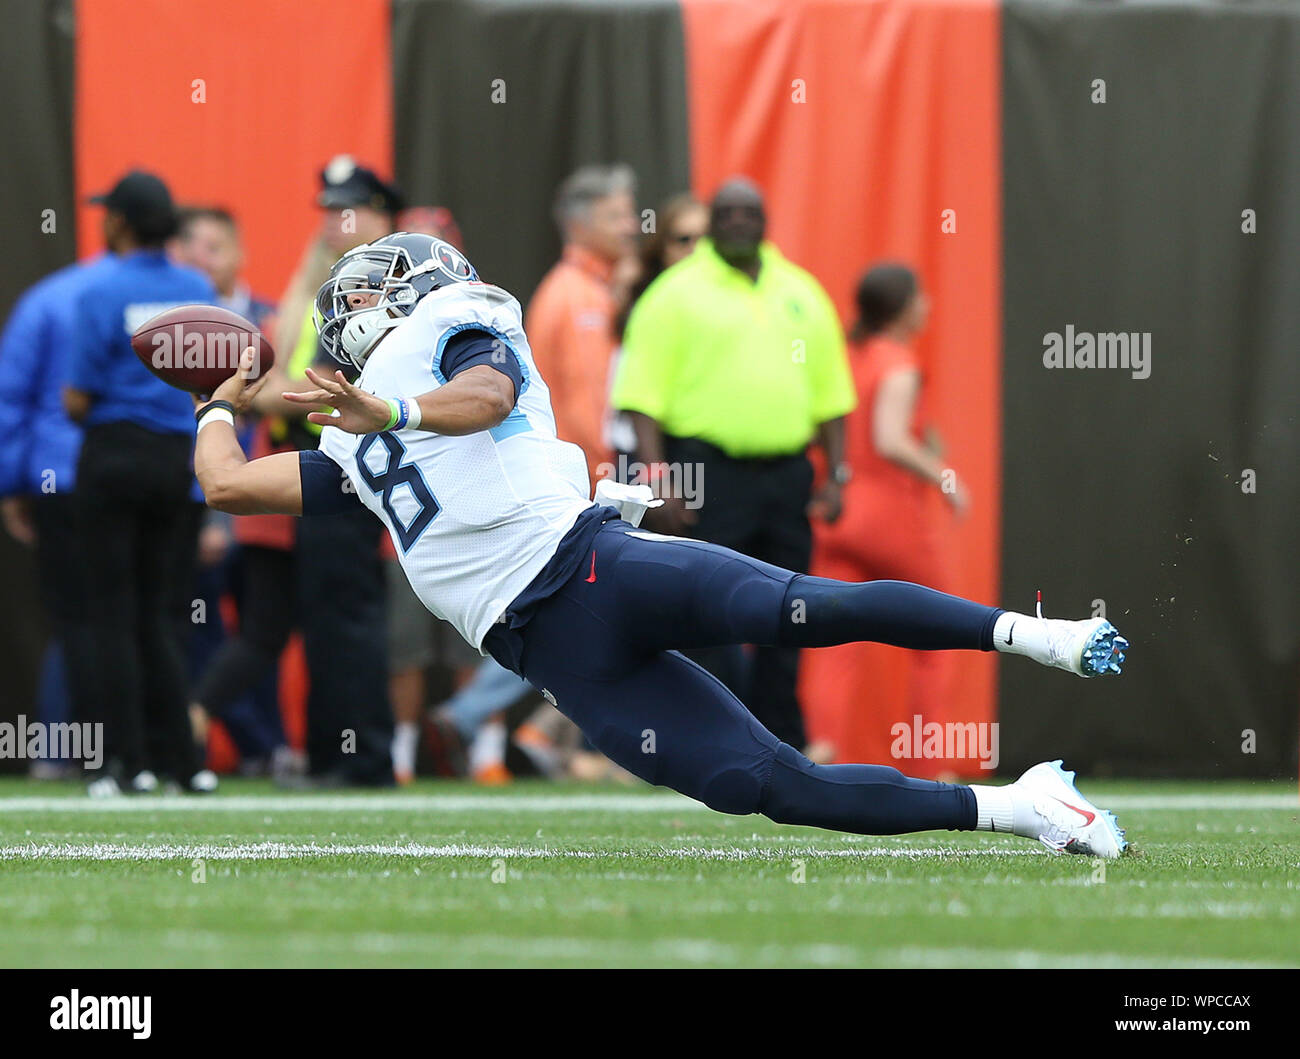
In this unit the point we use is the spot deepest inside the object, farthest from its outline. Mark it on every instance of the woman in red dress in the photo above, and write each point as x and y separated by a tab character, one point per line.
890	527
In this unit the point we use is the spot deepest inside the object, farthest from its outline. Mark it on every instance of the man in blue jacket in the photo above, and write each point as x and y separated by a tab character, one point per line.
38	458
137	521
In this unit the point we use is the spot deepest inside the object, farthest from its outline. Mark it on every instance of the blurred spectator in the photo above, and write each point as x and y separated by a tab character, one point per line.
733	363
431	220
899	449
247	558
236	679
888	530
39	445
472	722
208	239
681	222
339	577
571	317
357	206
138	524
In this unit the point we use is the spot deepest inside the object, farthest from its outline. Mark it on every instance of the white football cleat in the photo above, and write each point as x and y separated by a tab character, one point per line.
1092	647
1067	821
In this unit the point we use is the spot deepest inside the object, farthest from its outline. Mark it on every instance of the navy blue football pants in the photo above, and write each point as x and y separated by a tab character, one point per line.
605	648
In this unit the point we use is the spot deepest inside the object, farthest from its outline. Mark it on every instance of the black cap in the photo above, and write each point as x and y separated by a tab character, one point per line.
344	184
144	201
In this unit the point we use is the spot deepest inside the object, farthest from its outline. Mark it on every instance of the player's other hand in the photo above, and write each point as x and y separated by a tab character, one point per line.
239	389
358	412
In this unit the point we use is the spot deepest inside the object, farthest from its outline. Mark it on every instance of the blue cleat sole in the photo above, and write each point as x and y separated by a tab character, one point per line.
1104	652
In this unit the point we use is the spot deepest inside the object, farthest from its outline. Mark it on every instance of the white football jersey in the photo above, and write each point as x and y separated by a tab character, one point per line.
474	518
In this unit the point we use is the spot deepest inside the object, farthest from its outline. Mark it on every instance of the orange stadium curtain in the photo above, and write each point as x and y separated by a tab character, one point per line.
233	102
864	123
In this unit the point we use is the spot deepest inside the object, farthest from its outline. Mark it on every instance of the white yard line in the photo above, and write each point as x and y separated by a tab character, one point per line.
920	956
1192	802
255	851
360	803
657	802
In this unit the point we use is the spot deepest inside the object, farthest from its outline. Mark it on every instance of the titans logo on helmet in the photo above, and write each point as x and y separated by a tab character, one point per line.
453	261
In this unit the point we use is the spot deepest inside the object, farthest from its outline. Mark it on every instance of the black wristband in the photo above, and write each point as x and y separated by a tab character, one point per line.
201	412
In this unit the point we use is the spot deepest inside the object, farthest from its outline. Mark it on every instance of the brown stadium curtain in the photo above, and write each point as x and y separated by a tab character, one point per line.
1127	216
36	64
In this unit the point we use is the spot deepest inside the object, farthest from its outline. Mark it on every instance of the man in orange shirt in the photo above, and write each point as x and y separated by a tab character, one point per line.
570	319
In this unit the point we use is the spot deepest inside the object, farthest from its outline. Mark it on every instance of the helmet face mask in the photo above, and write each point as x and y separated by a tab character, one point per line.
394	273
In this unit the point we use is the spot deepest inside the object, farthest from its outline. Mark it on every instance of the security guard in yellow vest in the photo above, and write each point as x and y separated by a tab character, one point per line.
733	364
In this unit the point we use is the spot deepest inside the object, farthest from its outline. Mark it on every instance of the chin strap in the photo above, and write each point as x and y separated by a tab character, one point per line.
361	333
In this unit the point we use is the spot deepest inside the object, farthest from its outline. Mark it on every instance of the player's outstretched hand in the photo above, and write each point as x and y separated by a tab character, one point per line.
240	388
358	412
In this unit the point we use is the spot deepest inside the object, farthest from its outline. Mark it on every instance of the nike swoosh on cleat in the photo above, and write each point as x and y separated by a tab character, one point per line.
1088	817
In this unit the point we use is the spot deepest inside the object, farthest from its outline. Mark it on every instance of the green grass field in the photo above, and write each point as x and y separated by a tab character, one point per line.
447	874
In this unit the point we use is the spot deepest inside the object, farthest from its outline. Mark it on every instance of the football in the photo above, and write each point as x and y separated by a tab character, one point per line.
197	347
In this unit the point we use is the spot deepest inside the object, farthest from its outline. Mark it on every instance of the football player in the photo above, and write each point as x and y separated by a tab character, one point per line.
447	436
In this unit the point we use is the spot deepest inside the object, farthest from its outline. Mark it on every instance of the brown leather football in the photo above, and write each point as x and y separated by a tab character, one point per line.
197	347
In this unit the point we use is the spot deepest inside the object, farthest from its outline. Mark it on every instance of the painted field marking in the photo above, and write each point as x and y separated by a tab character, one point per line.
531	803
255	851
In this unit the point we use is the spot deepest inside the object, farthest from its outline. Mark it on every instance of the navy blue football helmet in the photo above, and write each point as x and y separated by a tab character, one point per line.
374	287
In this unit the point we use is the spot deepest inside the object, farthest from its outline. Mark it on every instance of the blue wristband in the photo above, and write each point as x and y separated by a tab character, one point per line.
401	413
